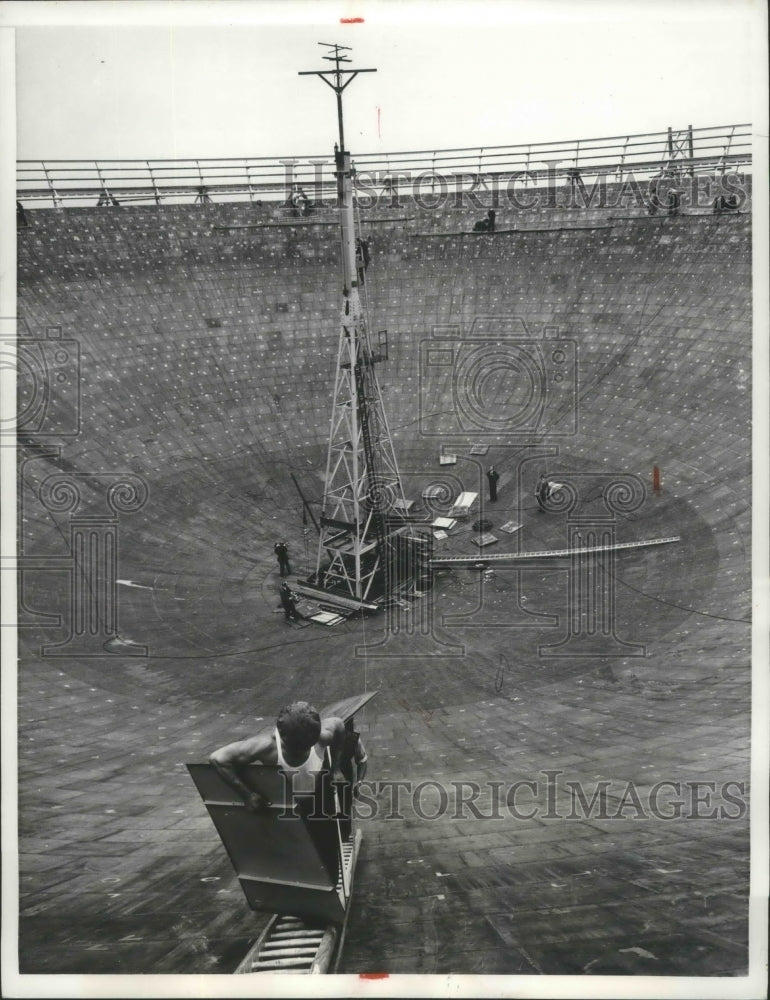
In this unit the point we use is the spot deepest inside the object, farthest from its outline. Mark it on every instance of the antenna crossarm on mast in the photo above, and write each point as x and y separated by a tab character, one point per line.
337	72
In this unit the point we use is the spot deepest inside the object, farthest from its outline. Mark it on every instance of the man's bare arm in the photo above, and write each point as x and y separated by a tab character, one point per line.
362	763
250	751
333	736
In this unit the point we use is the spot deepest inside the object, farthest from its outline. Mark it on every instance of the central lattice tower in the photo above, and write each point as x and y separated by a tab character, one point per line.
363	496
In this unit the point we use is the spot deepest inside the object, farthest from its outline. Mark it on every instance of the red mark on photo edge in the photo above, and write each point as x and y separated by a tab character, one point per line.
373	975
351	20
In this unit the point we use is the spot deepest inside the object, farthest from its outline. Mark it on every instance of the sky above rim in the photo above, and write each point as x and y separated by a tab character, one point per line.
130	80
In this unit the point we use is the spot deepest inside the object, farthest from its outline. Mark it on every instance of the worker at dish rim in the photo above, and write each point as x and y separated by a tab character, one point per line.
297	745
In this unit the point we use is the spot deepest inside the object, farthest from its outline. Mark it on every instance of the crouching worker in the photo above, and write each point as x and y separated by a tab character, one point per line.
288	603
486	225
297	745
545	490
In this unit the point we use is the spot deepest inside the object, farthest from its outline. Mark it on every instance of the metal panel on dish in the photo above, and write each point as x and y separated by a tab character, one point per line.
288	855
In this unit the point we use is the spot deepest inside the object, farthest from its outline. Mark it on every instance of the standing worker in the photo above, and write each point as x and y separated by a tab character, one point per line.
281	550
493	475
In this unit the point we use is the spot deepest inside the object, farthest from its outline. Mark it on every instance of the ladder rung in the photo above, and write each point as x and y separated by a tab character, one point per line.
271	953
296	934
277	963
275	972
290	938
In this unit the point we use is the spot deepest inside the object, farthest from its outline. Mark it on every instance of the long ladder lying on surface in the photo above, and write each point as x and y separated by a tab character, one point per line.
438	561
291	944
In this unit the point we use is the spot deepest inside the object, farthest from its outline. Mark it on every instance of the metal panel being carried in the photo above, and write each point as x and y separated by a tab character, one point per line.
288	856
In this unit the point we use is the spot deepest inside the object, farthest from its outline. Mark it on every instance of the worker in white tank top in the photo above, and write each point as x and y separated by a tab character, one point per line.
297	745
302	776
